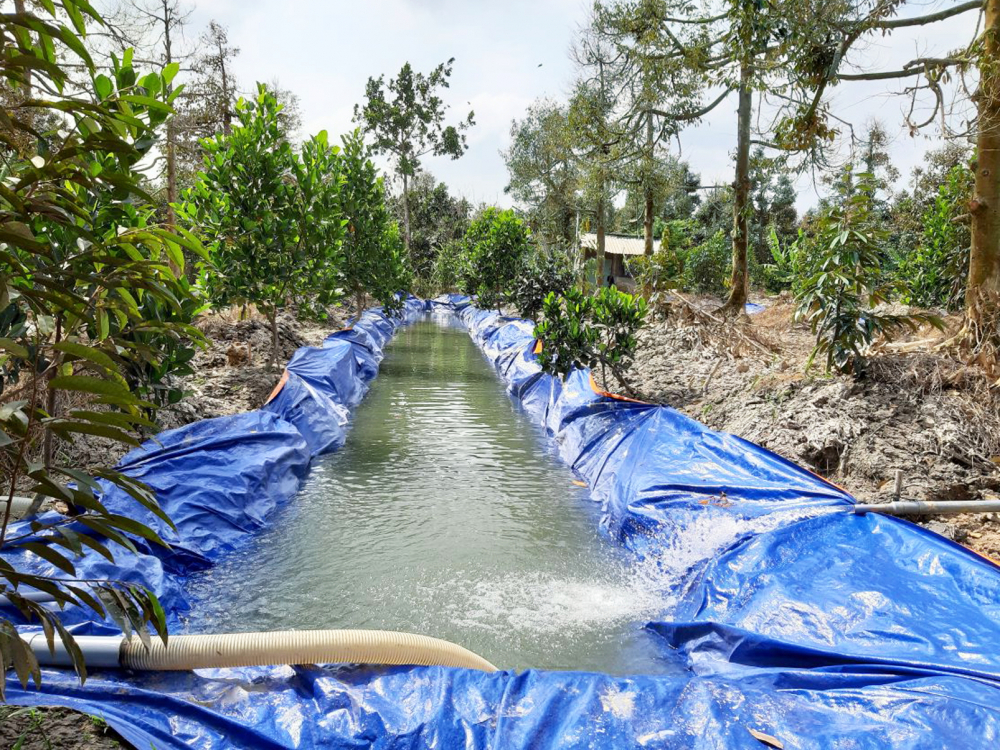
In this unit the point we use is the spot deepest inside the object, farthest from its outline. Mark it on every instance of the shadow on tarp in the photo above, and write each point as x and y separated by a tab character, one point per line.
807	623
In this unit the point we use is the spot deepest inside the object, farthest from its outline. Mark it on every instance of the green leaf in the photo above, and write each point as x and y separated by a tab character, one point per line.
51	556
170	71
88	384
65	426
103	324
14	348
103	86
89	353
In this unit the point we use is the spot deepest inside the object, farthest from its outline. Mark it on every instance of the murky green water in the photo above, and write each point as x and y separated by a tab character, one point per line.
446	513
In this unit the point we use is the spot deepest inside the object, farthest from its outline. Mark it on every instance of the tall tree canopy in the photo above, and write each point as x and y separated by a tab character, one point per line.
405	119
544	171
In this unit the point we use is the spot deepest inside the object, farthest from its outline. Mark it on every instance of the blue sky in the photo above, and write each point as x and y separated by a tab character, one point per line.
325	50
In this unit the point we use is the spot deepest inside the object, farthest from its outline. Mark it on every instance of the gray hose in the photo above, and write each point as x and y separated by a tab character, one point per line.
929	507
186	652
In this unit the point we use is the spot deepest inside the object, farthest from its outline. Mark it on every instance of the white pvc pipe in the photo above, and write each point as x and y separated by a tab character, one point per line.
98	651
32	596
19	506
185	652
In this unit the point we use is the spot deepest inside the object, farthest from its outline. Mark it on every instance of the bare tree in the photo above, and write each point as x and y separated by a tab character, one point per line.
208	102
155	30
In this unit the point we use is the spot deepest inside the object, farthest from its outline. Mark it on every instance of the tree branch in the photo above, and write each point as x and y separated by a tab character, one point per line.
941	15
697	113
912	68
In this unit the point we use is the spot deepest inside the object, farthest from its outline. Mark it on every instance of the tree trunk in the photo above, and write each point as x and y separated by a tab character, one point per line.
27	115
51	404
600	238
406	213
227	109
983	287
274	339
648	188
741	231
171	130
21	10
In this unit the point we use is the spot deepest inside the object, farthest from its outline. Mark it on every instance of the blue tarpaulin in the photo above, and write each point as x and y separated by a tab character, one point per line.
802	621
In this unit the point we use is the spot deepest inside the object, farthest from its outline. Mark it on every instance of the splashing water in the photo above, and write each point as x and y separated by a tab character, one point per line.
446	514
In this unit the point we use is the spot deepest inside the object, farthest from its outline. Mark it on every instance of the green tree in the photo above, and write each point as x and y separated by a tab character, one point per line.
405	118
773	204
319	218
910	205
674	194
544	172
270	243
655	92
81	255
839	295
934	272
436	218
706	265
496	245
595	138
374	261
447	273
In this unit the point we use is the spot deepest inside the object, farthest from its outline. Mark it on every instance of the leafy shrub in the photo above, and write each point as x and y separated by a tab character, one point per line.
707	266
617	317
495	247
447	270
838	298
788	261
581	331
656	274
546	271
677	238
935	272
568	341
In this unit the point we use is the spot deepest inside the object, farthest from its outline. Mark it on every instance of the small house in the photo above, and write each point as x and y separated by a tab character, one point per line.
617	249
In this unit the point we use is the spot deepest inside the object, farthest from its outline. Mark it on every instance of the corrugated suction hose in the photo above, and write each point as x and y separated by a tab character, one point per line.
185	652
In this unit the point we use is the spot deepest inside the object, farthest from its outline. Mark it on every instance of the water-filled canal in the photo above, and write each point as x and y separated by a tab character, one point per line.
446	513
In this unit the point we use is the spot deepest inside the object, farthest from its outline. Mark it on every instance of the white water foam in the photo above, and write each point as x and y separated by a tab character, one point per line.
541	604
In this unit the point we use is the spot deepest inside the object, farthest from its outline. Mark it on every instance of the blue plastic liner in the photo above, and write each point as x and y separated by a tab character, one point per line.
804	622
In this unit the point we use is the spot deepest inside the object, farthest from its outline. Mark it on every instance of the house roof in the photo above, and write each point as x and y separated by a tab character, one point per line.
617	245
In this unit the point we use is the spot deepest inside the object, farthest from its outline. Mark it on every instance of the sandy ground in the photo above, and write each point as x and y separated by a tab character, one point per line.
926	414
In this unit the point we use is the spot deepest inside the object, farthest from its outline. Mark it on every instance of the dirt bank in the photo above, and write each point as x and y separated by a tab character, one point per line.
40	729
925	413
230	375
